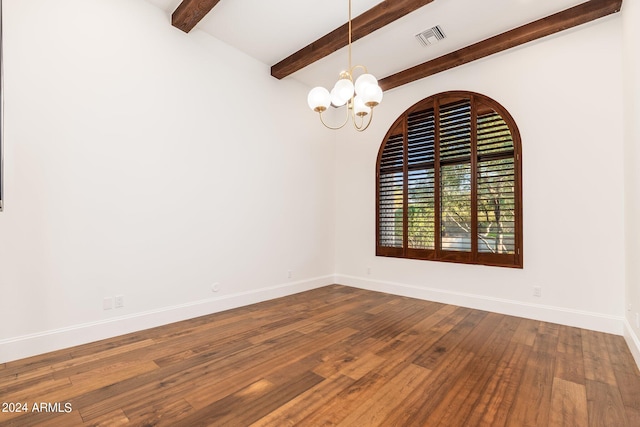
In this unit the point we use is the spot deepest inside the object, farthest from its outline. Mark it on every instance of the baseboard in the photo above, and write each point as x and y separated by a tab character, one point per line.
43	342
57	339
581	319
632	341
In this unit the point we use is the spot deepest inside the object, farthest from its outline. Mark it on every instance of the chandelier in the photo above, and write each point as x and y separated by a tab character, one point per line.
359	98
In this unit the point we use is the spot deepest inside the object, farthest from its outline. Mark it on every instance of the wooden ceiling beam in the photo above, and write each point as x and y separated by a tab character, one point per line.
561	21
190	12
375	18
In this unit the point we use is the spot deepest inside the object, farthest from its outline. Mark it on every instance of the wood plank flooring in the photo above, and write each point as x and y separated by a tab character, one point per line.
333	356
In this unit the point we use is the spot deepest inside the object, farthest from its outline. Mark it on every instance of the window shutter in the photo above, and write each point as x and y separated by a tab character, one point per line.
455	175
421	190
449	183
496	186
390	194
455	132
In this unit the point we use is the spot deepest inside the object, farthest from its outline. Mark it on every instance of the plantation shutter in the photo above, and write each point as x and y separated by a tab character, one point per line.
448	183
496	185
420	180
455	175
390	194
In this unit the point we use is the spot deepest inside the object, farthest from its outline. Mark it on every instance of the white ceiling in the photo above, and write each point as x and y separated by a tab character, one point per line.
272	30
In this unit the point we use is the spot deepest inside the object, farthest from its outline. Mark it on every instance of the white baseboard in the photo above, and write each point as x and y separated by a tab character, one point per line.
632	341
581	319
57	339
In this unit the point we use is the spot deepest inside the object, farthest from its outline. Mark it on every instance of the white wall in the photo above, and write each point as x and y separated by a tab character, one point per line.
631	18
565	93
149	163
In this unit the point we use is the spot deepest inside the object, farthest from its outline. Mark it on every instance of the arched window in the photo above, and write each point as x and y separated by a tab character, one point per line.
449	183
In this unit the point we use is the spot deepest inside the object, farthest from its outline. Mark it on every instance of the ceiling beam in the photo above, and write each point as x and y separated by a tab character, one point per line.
375	18
190	12
561	21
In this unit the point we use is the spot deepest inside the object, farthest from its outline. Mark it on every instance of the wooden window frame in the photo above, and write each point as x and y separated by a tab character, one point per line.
400	126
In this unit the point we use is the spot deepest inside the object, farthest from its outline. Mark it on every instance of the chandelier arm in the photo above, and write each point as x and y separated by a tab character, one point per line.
346	120
363	128
355	67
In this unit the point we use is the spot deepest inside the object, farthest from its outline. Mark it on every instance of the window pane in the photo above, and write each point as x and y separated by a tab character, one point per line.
420	158
496	184
390	197
455	175
421	209
496	206
455	207
390	210
494	136
421	127
393	155
455	131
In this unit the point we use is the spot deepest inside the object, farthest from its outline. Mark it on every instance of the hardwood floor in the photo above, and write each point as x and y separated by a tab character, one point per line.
334	356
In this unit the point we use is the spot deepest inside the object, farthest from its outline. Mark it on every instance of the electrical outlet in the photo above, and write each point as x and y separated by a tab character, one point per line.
537	291
119	301
107	303
368	271
289	274
215	287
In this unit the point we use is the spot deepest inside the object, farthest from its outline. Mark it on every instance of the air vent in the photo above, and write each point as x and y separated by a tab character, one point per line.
430	36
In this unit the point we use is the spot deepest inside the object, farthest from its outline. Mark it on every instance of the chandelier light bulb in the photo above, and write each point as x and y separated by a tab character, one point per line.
336	100
372	95
344	89
359	107
363	82
319	99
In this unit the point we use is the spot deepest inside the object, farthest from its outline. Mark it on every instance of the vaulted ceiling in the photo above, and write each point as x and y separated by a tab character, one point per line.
306	40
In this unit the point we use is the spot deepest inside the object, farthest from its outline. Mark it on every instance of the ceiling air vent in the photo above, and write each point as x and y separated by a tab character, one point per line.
430	36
